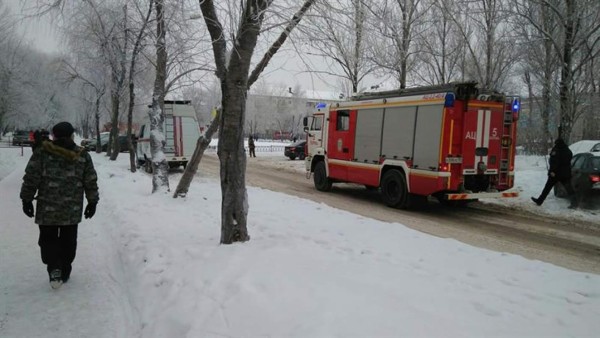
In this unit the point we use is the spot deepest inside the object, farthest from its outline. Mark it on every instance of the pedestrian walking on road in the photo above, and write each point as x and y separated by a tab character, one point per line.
60	173
251	146
559	171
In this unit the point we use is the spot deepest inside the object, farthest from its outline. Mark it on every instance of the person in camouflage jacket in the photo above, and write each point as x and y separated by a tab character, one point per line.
60	173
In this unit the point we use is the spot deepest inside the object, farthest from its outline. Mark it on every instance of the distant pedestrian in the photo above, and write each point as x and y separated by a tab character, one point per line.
60	173
559	171
37	140
39	136
251	146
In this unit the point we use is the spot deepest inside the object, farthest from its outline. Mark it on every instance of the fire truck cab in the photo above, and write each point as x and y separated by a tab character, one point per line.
453	141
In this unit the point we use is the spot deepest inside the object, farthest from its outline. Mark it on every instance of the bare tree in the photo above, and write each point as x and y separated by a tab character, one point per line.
489	46
441	47
339	36
137	46
400	21
94	79
160	167
570	32
233	69
190	170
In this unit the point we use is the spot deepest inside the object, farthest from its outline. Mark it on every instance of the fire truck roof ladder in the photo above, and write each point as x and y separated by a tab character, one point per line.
460	89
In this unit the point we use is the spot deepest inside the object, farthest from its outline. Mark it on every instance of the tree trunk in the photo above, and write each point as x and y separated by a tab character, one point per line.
235	83
97	116
549	68
160	167
134	54
566	115
192	166
111	151
132	164
234	205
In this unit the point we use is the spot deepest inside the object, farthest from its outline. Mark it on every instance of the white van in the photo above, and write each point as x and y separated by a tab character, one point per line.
181	131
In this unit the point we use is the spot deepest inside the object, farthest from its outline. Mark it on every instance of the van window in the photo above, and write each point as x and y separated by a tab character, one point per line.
343	120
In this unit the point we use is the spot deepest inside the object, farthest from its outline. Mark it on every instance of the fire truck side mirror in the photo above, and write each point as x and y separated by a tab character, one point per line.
305	123
305	128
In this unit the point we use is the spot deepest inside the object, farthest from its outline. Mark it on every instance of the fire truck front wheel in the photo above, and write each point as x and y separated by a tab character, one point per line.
393	189
322	182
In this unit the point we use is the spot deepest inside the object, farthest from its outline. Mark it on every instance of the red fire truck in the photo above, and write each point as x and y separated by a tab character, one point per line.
453	141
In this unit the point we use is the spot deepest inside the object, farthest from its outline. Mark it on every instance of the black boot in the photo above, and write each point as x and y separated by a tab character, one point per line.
66	273
55	278
537	201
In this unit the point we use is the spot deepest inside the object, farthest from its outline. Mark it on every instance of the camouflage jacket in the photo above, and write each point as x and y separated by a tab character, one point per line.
60	177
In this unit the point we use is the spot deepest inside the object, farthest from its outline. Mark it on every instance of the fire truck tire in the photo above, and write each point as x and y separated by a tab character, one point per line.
393	190
292	157
322	182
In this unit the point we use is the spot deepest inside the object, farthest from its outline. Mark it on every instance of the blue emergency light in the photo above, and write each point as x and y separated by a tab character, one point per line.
516	105
449	100
320	105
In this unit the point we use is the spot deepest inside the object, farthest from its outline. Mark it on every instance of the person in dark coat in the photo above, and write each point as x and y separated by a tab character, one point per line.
60	173
39	136
251	146
559	171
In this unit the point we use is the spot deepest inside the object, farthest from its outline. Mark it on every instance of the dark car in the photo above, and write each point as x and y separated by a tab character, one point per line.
21	138
295	149
90	144
123	143
585	177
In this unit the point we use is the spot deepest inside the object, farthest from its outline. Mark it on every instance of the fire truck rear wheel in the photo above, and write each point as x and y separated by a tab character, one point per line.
322	182
393	189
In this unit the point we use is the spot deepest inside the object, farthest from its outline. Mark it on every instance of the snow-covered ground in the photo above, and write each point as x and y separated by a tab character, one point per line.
151	266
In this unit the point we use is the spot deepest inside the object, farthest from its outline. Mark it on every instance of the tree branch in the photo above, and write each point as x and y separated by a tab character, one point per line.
279	42
216	33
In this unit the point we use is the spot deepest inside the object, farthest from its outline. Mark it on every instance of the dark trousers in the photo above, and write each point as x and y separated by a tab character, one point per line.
58	244
550	184
252	153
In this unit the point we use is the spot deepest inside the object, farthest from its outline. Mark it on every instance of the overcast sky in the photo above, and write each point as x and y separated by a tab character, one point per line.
37	31
285	69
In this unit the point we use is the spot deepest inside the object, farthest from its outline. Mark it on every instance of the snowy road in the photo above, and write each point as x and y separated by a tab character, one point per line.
568	243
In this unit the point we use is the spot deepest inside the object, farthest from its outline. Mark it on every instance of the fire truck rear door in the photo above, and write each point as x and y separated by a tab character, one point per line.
482	136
